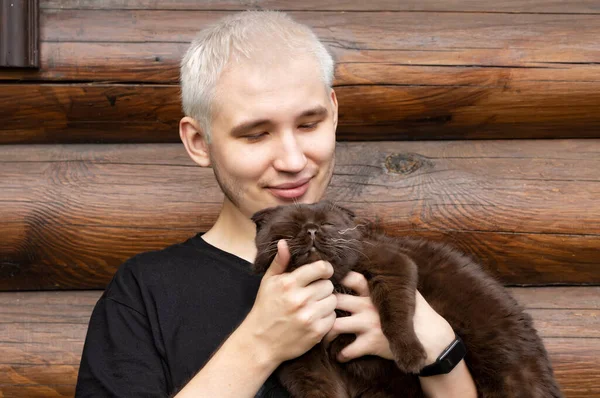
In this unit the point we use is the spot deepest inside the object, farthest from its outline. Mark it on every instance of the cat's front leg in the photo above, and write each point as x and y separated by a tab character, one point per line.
393	290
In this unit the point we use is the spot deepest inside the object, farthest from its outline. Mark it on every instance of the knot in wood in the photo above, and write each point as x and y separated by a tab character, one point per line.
404	163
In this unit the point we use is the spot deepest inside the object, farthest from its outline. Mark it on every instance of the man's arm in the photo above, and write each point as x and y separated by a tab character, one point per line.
457	383
292	312
432	330
238	369
436	334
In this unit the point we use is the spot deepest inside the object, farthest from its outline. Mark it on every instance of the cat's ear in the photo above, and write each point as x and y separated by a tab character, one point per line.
262	216
349	212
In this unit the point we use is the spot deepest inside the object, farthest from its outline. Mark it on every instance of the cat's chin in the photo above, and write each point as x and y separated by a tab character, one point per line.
308	257
314	255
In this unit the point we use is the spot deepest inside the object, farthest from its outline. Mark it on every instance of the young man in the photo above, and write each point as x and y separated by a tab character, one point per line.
192	319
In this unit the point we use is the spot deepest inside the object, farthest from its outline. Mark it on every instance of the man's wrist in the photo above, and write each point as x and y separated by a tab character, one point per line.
438	344
248	341
458	383
432	330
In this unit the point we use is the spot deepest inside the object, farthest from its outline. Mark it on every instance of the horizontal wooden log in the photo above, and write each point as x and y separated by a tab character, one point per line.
43	335
158	62
511	6
493	74
410	38
359	30
72	214
82	113
557	298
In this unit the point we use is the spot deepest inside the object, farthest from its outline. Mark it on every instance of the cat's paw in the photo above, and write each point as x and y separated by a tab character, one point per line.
410	358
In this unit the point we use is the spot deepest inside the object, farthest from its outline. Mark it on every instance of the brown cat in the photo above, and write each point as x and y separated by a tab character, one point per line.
505	355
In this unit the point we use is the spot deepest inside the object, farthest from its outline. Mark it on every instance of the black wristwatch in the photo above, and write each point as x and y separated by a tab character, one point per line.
447	360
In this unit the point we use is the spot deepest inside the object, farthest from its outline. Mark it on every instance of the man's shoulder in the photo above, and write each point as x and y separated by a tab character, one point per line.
171	254
192	259
158	259
143	271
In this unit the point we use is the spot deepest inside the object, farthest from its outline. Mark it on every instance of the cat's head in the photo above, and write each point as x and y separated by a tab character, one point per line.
320	231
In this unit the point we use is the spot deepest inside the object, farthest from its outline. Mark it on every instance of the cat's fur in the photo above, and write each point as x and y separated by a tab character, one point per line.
505	356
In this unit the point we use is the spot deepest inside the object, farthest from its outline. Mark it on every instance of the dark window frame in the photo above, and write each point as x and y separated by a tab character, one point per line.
19	33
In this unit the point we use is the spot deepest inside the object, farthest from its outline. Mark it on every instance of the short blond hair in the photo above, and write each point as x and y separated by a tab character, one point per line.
237	37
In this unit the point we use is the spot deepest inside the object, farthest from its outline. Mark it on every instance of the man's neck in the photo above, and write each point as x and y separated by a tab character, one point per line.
233	232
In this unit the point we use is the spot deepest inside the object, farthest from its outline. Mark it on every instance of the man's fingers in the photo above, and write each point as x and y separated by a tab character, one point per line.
280	263
330	336
320	289
357	282
326	307
355	324
354	350
353	304
311	272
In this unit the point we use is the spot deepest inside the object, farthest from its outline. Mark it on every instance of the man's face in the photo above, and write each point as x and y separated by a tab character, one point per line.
273	135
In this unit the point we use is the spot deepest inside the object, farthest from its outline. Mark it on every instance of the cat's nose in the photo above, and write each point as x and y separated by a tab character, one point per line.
312	230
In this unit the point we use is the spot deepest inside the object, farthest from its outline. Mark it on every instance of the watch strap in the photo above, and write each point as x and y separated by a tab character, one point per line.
447	360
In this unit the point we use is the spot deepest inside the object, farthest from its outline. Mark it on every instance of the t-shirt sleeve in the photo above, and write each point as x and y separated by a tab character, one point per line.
120	358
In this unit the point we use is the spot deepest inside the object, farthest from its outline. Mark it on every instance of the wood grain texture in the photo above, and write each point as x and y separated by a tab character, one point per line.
43	335
510	6
72	214
427	72
355	30
158	62
84	113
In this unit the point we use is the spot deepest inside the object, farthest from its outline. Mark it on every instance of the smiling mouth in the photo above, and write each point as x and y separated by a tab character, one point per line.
291	193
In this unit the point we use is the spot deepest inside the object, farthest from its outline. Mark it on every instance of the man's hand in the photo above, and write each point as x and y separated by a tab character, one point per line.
433	331
363	321
292	311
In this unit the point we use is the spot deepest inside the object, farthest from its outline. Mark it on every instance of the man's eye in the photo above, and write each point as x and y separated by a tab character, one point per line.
308	126
255	137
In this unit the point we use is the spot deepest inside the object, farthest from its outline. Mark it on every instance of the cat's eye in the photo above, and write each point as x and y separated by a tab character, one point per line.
327	224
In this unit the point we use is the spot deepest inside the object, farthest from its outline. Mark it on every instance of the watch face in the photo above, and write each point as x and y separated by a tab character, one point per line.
447	359
446	365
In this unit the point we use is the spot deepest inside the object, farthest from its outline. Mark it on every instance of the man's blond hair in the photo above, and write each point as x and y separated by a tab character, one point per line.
238	37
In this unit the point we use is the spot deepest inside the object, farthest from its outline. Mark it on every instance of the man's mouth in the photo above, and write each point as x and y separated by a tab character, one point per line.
291	190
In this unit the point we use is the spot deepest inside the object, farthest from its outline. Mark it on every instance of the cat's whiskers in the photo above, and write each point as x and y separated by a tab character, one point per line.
343	231
273	247
275	241
351	240
341	248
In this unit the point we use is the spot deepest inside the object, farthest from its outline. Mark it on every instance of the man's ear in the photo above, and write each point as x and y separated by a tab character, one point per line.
334	104
194	140
262	216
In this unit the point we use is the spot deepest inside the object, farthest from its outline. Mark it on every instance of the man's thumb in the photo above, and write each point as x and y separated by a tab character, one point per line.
281	260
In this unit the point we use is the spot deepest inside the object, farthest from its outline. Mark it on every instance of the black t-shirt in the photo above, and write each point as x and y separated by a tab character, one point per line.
161	317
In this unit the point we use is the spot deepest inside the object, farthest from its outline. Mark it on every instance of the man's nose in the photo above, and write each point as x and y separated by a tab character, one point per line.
291	157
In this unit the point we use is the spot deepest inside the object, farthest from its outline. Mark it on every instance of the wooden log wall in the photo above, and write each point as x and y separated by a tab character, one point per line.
474	122
427	69
528	209
42	338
